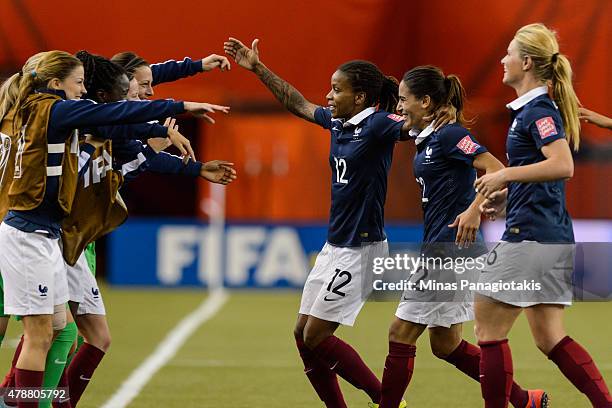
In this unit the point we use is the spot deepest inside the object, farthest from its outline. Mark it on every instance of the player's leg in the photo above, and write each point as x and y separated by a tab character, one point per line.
546	324
58	353
33	272
339	300
321	377
493	323
447	344
92	323
399	363
340	356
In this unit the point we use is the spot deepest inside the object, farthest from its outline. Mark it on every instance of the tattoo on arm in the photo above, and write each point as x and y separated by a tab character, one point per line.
290	97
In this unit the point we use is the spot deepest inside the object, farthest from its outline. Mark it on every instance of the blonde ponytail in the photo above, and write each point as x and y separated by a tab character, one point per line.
549	66
9	92
566	99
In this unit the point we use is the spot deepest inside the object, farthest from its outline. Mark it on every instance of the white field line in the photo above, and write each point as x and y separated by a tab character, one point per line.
166	350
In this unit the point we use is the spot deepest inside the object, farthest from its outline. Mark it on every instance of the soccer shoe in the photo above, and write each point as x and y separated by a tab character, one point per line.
537	399
402	404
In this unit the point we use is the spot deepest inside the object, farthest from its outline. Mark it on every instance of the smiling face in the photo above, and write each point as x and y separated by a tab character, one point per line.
73	85
144	77
513	65
411	108
342	100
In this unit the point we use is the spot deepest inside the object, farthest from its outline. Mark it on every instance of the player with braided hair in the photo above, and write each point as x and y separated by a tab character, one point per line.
47	109
363	135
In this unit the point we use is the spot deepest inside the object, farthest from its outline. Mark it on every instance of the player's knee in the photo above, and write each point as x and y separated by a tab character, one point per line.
39	337
545	342
441	348
312	338
398	333
480	333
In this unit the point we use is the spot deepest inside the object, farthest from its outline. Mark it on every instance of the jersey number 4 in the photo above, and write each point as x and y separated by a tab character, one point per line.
340	170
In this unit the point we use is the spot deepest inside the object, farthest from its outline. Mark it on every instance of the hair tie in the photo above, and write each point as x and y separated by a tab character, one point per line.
33	73
20	73
554	57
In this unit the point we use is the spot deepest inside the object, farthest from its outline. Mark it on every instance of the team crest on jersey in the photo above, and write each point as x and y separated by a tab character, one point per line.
428	152
357	132
467	145
395	117
5	152
546	127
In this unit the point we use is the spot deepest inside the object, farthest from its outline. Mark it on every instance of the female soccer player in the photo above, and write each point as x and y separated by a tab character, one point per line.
538	241
107	82
148	75
40	196
362	141
445	167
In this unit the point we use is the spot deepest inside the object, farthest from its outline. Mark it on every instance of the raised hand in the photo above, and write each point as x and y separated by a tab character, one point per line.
245	57
200	110
444	115
182	143
215	61
595	118
218	171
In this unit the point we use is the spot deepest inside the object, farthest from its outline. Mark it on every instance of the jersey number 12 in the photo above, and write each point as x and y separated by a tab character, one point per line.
340	170
422	183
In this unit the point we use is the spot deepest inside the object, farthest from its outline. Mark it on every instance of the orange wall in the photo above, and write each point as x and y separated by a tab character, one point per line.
282	160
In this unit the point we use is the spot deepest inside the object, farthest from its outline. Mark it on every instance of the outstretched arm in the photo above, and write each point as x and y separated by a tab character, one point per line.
290	97
595	118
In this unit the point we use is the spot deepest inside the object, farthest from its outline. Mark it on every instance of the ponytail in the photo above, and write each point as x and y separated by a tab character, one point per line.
429	80
566	99
9	92
549	66
389	94
456	96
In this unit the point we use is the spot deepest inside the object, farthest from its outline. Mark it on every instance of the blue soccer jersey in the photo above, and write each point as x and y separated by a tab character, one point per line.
443	168
535	211
360	158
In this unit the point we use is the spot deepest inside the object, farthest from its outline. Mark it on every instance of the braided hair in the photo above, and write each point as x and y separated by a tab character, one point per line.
100	73
365	77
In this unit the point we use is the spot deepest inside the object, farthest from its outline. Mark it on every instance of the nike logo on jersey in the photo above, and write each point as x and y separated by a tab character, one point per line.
331	300
84	378
57	361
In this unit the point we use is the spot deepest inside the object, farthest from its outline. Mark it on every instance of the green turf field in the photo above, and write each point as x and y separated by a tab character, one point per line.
245	356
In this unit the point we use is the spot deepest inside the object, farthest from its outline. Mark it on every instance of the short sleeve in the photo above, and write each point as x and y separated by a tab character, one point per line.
457	143
544	125
387	126
323	117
